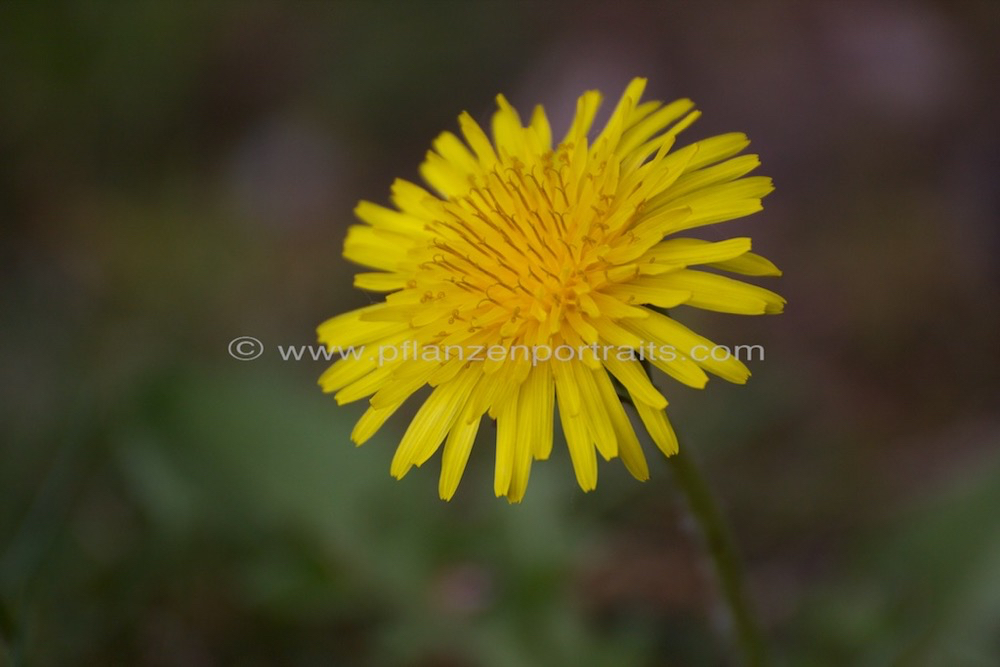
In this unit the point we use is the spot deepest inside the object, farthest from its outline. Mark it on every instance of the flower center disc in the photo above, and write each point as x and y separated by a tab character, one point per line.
525	245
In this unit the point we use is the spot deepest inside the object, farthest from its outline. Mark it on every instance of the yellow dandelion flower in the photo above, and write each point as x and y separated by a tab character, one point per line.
528	248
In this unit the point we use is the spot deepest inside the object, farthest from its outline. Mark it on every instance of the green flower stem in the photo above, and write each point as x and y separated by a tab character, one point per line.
722	554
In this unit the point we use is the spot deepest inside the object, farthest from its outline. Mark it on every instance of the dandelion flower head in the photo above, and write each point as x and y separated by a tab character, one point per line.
522	244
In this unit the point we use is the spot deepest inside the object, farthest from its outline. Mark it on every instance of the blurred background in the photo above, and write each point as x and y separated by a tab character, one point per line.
173	176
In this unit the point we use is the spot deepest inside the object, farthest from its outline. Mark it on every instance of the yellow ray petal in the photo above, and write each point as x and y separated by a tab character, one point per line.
451	148
640	133
507	418
443	176
371	421
639	295
616	309
506	381
345	371
458	446
357	362
376	248
659	428
667	332
540	125
685	252
566	387
622	113
718	148
614	334
508	134
527	434
379	281
602	433
433	420
585	330
634	378
751	187
710	212
390	220
629	448
407	378
695	179
655	226
368	384
586	108
714	292
748	264
351	329
539	390
478	141
661	144
581	449
669	354
413	199
531	432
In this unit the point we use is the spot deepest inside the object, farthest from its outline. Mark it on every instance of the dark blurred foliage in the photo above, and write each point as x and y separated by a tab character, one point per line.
173	176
